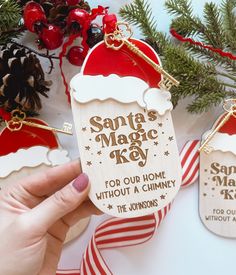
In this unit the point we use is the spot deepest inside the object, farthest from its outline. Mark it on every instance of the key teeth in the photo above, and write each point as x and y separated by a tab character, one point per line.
208	149
67	127
166	84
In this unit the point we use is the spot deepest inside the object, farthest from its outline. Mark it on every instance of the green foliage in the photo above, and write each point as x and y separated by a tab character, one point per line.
139	13
196	68
10	16
229	22
218	29
182	9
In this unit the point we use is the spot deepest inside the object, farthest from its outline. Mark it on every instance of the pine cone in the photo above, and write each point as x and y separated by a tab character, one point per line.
21	80
57	12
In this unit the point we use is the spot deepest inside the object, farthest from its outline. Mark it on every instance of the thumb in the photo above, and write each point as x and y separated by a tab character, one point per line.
44	215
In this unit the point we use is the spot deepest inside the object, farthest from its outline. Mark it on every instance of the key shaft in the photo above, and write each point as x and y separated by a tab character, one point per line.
167	77
45	127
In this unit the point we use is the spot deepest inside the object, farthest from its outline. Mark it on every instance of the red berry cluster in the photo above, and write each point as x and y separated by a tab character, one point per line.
35	21
78	21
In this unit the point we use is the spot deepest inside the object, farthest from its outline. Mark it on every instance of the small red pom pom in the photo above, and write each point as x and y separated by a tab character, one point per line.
76	55
51	37
109	23
33	13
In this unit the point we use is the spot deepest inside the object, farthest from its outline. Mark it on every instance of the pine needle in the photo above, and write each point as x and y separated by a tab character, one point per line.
10	16
229	22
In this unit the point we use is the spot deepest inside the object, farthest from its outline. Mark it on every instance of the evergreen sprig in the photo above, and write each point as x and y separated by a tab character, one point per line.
217	29
199	77
139	12
10	20
229	22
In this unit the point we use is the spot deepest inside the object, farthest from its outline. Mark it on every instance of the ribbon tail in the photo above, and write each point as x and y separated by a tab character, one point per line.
61	55
201	45
93	262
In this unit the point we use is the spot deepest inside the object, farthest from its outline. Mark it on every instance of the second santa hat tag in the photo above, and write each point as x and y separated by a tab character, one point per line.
217	183
125	134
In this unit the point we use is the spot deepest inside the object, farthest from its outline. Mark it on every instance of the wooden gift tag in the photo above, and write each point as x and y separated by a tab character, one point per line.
217	184
127	143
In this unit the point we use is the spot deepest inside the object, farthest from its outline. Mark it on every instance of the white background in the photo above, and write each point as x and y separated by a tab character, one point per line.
182	245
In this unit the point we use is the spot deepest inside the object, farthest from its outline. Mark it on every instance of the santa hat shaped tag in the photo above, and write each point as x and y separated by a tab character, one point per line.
217	190
124	129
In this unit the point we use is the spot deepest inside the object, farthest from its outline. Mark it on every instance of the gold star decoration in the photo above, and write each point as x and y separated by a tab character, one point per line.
162	197
109	206
166	153
134	62
84	129
156	143
99	153
171	138
89	163
87	148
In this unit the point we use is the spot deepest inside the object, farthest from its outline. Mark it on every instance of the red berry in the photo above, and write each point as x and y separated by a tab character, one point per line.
33	13
76	55
72	2
109	23
78	16
51	36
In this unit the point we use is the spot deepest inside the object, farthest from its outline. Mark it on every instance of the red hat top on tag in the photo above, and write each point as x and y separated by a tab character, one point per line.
229	127
104	61
29	147
27	137
224	138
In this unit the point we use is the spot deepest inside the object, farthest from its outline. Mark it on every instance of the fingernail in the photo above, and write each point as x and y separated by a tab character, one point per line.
81	183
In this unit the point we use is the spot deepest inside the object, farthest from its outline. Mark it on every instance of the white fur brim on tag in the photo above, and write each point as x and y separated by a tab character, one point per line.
32	157
127	89
222	142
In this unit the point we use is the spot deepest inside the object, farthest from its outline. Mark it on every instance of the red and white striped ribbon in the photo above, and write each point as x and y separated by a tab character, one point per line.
189	158
118	232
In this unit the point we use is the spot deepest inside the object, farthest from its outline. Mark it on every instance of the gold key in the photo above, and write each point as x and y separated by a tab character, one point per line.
230	112
117	39
18	120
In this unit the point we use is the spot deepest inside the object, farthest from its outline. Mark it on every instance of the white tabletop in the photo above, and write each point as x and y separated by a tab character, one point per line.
181	245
